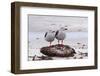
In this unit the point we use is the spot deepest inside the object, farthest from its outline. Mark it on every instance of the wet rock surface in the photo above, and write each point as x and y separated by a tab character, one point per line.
58	51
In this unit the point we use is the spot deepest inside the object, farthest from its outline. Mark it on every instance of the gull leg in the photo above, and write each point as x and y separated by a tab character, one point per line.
61	42
50	43
58	42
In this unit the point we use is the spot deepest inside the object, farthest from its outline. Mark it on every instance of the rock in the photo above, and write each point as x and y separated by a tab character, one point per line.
34	58
45	58
58	51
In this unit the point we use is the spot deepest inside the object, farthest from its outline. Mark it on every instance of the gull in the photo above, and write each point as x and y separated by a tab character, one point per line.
60	35
50	36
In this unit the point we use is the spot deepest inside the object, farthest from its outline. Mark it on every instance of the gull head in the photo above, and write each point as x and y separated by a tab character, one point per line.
63	28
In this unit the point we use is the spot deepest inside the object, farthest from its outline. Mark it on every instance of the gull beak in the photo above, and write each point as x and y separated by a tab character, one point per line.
66	29
53	31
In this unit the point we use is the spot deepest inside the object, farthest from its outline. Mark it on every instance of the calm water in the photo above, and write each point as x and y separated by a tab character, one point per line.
69	35
36	41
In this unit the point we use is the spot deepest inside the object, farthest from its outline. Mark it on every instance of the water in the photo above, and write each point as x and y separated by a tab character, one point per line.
37	41
69	35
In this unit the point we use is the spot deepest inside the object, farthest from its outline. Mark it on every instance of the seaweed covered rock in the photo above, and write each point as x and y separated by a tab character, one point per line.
58	50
